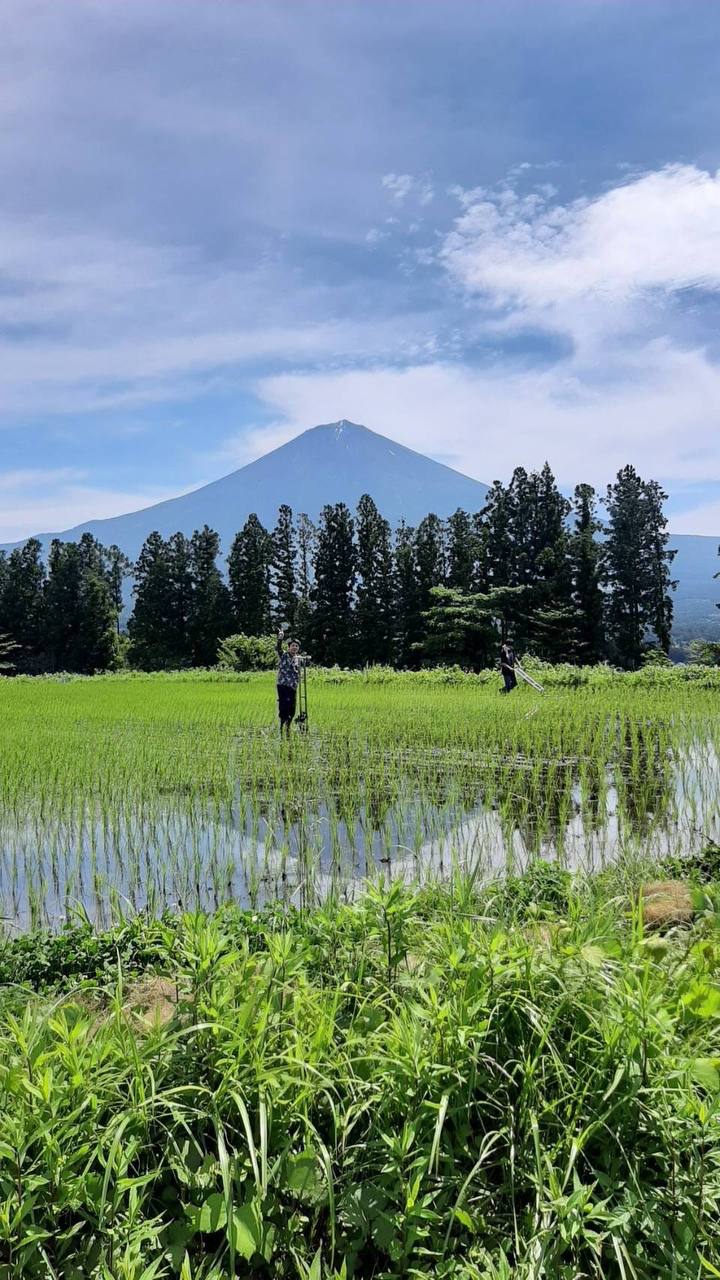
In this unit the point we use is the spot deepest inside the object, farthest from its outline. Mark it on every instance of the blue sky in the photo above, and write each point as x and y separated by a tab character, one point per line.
489	230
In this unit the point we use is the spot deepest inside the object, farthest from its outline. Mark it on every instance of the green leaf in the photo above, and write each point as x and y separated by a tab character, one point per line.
211	1215
463	1217
704	1071
593	955
304	1177
702	999
247	1230
177	1238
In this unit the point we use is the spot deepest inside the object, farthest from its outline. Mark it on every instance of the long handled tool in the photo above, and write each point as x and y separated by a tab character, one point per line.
301	718
528	679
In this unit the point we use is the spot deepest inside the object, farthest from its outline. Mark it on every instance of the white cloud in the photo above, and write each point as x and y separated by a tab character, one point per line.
92	322
661	417
45	500
403	185
655	235
705	518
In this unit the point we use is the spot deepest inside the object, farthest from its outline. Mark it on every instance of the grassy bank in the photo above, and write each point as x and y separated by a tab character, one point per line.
517	1082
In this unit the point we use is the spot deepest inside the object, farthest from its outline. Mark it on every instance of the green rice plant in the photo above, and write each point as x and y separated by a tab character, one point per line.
175	789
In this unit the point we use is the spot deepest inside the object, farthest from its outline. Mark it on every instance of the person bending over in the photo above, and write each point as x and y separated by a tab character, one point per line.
507	666
288	679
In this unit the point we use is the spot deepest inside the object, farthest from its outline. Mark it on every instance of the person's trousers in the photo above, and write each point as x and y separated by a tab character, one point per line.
510	680
286	703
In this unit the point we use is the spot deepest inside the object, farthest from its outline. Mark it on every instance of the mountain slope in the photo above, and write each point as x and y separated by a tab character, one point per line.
338	462
696	562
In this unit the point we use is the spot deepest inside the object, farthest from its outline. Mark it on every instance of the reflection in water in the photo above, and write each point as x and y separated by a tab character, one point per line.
428	814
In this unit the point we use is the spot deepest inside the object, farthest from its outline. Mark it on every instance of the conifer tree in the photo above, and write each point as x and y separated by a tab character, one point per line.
210	618
249	572
333	588
117	568
462	551
8	653
151	622
480	581
466	628
182	603
430	557
374	605
498	556
636	567
284	569
408	620
22	585
80	617
553	621
588	596
306	543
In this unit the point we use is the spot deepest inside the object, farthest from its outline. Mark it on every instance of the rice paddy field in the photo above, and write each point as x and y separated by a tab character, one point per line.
432	990
121	794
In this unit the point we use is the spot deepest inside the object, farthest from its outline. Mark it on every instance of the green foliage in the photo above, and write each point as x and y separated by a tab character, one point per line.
284	570
412	1085
334	584
80	618
705	652
374	603
636	564
543	889
22	587
8	650
249	564
655	657
79	952
356	596
248	653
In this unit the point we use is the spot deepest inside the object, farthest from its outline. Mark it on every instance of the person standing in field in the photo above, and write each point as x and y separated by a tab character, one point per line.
507	666
288	679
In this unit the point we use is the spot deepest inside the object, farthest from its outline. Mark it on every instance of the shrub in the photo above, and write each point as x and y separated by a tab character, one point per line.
247	653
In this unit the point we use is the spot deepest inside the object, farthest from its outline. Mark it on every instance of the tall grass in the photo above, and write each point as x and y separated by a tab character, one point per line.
418	1084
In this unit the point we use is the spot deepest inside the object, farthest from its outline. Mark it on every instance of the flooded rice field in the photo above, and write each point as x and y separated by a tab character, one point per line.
123	796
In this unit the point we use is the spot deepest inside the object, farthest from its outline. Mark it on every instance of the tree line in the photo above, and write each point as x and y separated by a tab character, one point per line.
532	564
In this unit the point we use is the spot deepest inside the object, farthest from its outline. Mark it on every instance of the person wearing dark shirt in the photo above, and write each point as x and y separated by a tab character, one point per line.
288	679
507	666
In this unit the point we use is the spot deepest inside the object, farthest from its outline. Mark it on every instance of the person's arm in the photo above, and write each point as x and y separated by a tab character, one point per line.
279	645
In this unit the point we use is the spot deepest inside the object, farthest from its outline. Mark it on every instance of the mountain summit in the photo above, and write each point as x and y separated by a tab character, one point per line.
336	462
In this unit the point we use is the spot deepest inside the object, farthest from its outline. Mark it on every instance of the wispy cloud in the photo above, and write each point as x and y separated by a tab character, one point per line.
89	322
46	499
493	418
402	186
563	264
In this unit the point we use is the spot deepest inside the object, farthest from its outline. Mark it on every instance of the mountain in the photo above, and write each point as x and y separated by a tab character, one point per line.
697	595
339	462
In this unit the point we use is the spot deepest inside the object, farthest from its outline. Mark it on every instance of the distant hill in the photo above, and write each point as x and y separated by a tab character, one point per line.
339	462
696	614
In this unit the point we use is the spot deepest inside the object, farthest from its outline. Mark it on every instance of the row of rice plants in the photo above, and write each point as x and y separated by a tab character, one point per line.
137	794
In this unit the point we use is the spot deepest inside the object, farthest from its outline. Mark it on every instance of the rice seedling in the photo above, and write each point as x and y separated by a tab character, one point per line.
125	793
